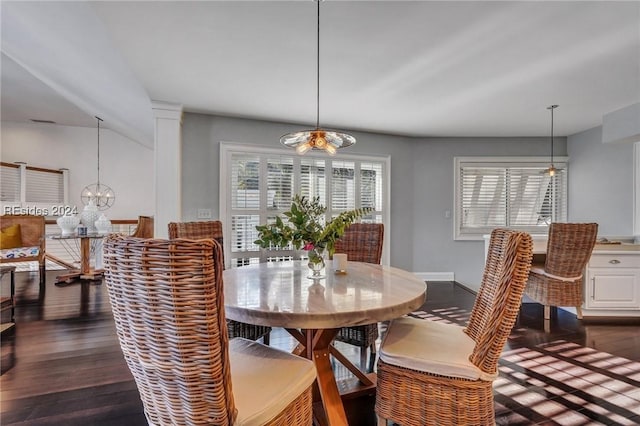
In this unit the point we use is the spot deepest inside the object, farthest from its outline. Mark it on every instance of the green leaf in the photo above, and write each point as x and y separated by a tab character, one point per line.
304	225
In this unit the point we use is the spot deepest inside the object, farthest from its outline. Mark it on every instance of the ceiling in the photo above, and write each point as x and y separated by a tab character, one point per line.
414	68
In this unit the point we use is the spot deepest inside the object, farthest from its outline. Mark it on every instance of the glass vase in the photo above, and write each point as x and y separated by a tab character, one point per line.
316	263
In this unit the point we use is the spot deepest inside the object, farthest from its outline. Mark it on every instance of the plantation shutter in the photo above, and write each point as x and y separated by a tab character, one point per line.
279	183
313	179
10	183
44	186
245	202
343	187
371	190
515	195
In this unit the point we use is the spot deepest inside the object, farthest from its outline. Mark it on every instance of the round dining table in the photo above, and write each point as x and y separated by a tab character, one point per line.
281	294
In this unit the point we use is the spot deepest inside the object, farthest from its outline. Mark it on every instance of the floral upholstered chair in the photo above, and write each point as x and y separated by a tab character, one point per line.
22	239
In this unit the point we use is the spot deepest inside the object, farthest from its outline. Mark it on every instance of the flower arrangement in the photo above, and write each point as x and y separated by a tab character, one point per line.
305	230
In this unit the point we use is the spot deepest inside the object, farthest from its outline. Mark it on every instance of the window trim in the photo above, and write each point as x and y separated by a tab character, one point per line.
561	162
226	148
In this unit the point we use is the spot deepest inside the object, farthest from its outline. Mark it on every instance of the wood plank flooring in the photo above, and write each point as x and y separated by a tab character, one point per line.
63	365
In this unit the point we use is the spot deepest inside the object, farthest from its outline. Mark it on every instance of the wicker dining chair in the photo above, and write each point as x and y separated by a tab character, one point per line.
362	242
559	281
168	306
436	373
144	228
213	229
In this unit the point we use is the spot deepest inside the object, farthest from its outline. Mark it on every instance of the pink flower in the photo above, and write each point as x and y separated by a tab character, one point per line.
308	246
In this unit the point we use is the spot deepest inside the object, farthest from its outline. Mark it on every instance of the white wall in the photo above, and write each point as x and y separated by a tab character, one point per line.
601	183
125	166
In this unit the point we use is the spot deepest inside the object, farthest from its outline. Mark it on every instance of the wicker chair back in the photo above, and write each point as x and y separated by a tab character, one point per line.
212	229
144	228
498	301
569	248
197	231
362	242
167	302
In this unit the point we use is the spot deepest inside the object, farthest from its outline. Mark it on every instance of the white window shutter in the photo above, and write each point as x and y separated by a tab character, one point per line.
494	192
10	183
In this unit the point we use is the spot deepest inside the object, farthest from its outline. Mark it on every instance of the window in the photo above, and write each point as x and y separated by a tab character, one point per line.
258	184
33	190
508	192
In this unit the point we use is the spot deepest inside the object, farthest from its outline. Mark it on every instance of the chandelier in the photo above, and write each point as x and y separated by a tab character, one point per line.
100	194
318	139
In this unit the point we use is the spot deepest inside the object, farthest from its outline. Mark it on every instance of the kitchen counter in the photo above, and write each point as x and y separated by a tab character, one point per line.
615	248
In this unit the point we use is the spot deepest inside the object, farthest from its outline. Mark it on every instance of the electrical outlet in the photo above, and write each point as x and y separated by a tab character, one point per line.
204	213
447	214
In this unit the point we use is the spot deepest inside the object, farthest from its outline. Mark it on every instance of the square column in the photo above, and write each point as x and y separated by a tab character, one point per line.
167	161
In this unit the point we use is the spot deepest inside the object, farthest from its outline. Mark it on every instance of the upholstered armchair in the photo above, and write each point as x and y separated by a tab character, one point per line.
23	240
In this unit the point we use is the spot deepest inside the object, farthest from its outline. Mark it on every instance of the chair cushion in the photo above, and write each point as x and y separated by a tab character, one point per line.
10	237
19	252
432	347
540	271
265	380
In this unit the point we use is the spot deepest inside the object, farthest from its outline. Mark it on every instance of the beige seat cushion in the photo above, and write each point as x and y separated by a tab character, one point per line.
265	380
432	347
540	271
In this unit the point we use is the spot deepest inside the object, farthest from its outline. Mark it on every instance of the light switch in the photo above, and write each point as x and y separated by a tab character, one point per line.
204	213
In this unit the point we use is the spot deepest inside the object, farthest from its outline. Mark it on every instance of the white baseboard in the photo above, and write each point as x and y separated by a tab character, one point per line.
435	276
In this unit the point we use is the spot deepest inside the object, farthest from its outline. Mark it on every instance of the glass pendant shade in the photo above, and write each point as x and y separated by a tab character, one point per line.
319	139
552	170
327	140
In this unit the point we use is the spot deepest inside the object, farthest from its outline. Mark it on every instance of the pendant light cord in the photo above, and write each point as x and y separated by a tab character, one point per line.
552	107
552	135
98	181
318	71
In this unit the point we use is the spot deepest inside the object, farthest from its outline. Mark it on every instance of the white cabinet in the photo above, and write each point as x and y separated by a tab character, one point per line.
612	284
611	278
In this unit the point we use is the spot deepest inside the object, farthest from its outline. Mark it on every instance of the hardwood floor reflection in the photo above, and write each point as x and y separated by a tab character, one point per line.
64	365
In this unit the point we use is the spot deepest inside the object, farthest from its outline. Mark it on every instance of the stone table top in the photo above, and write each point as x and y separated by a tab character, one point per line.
280	294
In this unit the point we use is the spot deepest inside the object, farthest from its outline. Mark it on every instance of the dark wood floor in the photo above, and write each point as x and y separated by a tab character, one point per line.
63	366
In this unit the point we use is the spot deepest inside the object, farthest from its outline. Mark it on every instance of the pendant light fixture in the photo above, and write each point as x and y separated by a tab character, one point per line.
319	139
551	171
100	194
